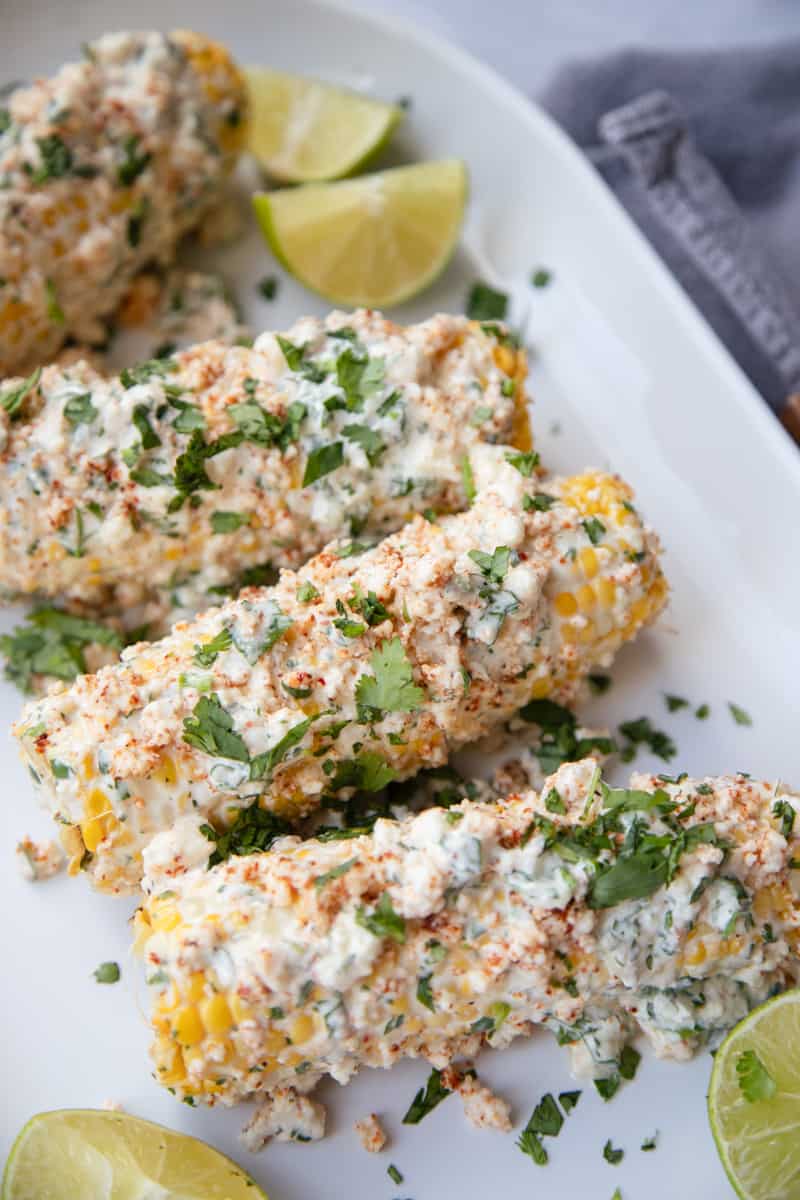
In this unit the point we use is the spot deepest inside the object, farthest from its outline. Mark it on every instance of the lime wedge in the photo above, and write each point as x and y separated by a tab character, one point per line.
83	1153
302	130
373	241
758	1139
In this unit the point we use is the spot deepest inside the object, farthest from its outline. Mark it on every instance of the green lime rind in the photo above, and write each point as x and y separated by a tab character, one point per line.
759	1140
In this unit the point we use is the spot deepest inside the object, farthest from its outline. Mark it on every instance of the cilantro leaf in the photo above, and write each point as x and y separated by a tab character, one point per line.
468	480
546	1118
538	502
427	1099
141	372
568	1100
228	522
529	1143
607	1088
595	529
334	873
133	163
79	410
306	592
755	1081
148	435
264	764
321	461
55	158
524	463
370	442
358	376
52	644
206	653
674	703
739	715
612	1155
383	921
190	471
424	992
13	398
252	831
210	729
367	772
392	687
493	566
541	277
107	972
485	303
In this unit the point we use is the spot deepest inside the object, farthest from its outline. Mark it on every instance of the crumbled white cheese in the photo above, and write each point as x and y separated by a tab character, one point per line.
39	860
371	1133
285	1116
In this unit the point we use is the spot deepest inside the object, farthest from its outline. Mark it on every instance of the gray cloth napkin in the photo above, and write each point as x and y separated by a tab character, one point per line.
703	149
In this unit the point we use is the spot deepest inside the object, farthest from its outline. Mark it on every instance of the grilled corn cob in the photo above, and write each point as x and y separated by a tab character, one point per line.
359	669
597	912
182	473
103	168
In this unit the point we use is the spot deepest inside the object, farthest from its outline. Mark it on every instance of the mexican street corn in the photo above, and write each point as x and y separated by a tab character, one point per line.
102	169
365	666
666	909
183	474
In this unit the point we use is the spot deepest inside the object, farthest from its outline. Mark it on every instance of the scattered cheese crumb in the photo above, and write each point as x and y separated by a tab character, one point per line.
371	1133
482	1107
39	860
286	1116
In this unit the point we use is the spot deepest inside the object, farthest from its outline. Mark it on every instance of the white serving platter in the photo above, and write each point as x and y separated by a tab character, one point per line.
625	373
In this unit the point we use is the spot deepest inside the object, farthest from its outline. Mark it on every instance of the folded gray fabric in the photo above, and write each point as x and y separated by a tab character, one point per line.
703	149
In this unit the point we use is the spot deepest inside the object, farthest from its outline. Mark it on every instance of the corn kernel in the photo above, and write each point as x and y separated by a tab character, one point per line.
588	560
585	597
196	988
301	1029
216	1015
606	592
188	1027
566	604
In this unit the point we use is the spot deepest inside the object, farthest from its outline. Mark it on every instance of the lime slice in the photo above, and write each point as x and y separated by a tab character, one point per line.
759	1139
372	241
301	130
83	1153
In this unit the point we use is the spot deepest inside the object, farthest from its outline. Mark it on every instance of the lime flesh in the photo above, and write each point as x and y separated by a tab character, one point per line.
374	241
302	130
83	1154
759	1140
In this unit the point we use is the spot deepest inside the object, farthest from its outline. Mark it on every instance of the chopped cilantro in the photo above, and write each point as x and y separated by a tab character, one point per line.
189	417
702	712
559	742
599	684
524	463
553	802
206	653
493	566
79	410
485	303
190	471
370	607
784	810
107	972
13	398
568	1100
424	993
268	287
427	1099
641	732
674	703
252	831
739	715
383	921
541	277
334	873
367	772
394	1174
608	1087
141	372
150	478
141	419
228	522
55	158
345	623
54	310
755	1081
52	644
136	219
264	764
133	163
321	461
649	1143
350	549
370	442
468	480
529	1143
358	376
612	1155
392	687
210	729
629	1061
538	502
595	529
306	592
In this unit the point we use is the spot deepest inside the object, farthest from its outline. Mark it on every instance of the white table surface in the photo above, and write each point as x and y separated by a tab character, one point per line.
526	40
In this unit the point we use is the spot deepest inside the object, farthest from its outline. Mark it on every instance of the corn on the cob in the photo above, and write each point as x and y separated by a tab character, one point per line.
183	473
598	913
359	669
102	169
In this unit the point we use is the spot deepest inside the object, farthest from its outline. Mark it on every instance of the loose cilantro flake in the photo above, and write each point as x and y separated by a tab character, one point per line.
367	772
468	480
493	566
394	1174
143	371
599	684
607	1088
529	1143
755	1081
541	277
54	310
52	644
568	1100
538	502
392	687
306	592
674	703
424	992
264	764
141	419
133	163
427	1099
739	715
649	1143
383	921
641	732
107	972
370	442
268	287
612	1155
55	158
206	653
190	471
629	1061
334	873
485	303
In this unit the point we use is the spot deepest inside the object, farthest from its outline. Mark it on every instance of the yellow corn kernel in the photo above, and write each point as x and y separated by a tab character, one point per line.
196	987
697	955
640	609
173	1069
240	1010
97	803
566	604
166	918
88	766
188	1028
93	834
606	591
301	1029
588	560
216	1015
587	633
166	772
585	597
541	688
